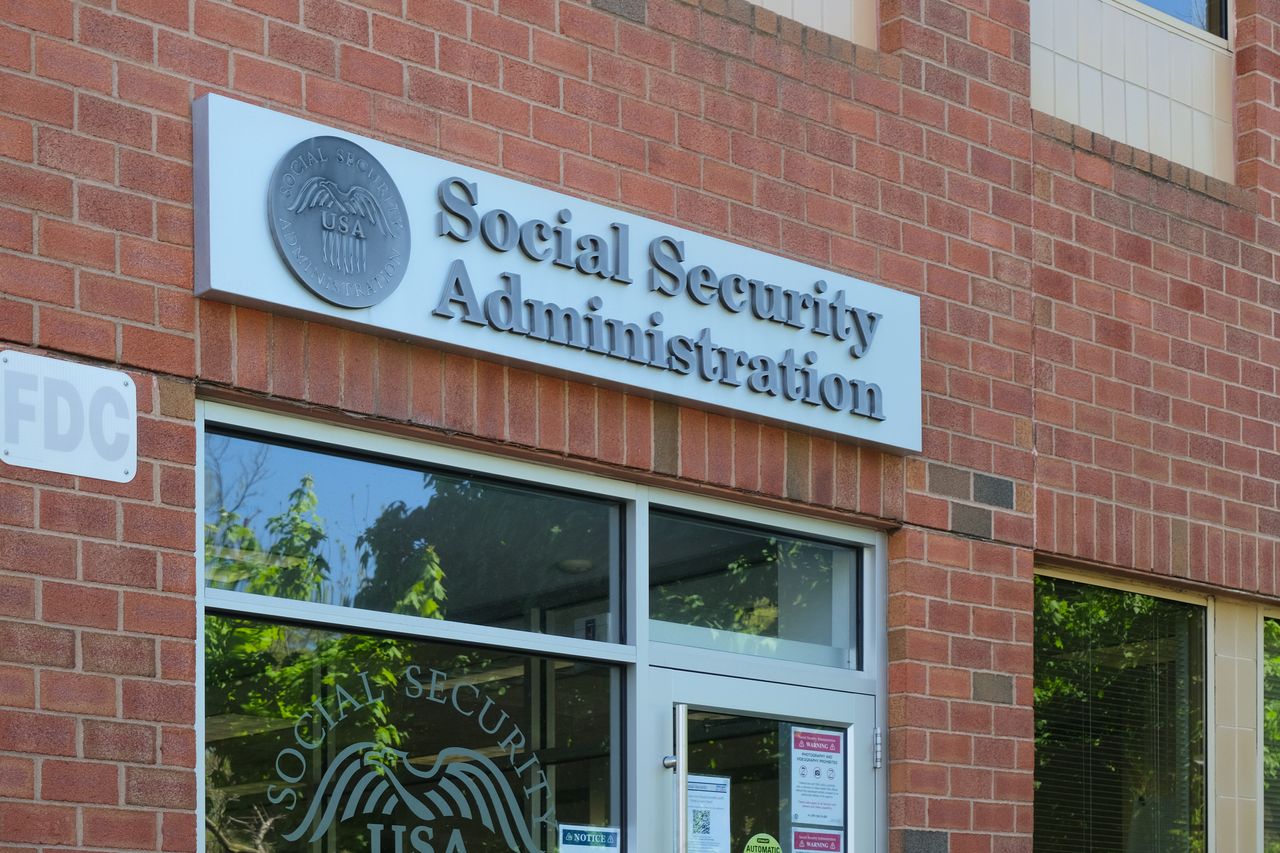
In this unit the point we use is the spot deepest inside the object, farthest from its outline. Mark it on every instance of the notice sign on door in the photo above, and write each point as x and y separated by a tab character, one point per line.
803	840
589	839
817	777
708	814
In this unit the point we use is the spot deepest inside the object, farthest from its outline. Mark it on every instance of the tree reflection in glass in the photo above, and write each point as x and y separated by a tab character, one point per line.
338	741
745	589
302	524
1271	735
1119	721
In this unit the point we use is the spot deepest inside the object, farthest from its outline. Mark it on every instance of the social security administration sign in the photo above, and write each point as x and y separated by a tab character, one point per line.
298	218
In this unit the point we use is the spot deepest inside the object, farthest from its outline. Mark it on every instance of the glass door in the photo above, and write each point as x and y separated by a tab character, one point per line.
759	767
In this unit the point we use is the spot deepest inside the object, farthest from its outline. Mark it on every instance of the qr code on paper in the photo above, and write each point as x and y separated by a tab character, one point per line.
701	824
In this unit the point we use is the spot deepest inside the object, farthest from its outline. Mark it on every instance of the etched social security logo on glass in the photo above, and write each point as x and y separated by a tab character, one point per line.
339	222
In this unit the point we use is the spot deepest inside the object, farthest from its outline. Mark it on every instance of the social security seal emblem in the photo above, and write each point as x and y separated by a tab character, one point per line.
339	222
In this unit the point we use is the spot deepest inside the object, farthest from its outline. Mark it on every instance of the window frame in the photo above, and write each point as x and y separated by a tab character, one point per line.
1158	590
635	653
1181	27
1265	611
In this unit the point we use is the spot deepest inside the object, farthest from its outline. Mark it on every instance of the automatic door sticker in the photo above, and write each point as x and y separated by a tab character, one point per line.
817	777
762	842
708	814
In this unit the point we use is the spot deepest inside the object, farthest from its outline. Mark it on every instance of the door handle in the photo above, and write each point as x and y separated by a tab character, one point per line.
681	762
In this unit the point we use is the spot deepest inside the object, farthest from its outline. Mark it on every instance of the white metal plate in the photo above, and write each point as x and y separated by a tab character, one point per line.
66	417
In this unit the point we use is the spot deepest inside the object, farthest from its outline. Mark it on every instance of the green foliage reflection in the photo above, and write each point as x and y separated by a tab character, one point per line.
1119	701
1271	735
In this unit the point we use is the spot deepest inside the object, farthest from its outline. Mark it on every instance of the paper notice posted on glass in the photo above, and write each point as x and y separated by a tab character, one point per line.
824	840
708	814
817	777
589	839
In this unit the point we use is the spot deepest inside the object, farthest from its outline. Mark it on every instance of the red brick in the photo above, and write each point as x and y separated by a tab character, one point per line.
371	70
116	210
148	88
48	16
449	16
79	782
177	660
337	19
530	158
73	332
164	528
559	53
158	702
159	614
34	189
110	120
403	40
119	828
37	824
79	155
167	789
73	65
110	741
220	23
178	832
296	47
503	34
178	747
17	597
469	141
155	262
117	655
117	35
161	11
155	176
78	693
346	103
37	553
17	687
15	48
285	10
438	91
17	778
76	604
193	58
65	242
80	514
267	80
16	139
42	734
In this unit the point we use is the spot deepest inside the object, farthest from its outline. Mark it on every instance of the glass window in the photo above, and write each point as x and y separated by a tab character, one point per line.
746	589
753	759
1271	735
324	740
1209	15
301	523
1119	721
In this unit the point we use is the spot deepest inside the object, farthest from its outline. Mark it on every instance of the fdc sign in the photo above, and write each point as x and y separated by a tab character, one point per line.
67	417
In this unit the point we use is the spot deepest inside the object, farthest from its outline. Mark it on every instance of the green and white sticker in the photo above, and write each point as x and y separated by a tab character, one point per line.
762	842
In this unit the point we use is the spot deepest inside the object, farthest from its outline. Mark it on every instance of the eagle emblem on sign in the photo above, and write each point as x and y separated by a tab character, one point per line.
339	222
345	220
366	782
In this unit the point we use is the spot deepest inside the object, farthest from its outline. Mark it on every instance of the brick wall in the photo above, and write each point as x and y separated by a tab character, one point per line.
1099	337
